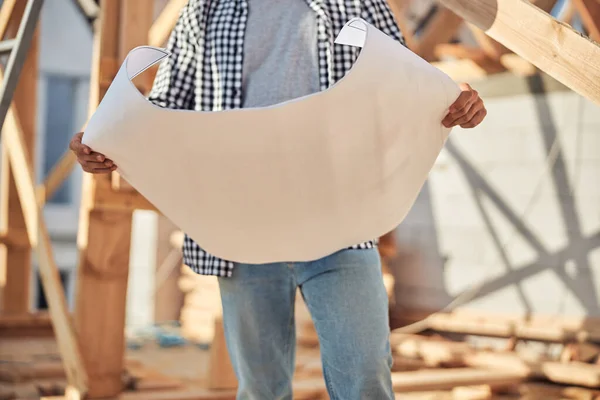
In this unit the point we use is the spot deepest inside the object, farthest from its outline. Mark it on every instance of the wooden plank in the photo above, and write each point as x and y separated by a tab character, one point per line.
589	10
164	24
57	305
573	373
190	394
552	46
496	326
57	175
440	29
459	354
439	379
549	391
23	325
20	371
15	261
434	379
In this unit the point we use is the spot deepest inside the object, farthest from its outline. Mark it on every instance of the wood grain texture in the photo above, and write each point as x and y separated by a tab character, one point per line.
552	46
106	215
15	261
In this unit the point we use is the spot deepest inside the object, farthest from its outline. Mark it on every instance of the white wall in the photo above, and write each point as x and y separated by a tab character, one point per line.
492	211
66	39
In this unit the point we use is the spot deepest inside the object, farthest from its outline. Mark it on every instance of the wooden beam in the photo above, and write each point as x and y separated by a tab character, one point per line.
26	325
440	379
440	29
57	175
589	10
541	329
164	24
494	49
15	262
552	46
104	236
57	305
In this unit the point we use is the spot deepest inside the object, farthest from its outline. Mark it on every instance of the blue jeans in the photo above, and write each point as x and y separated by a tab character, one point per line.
345	295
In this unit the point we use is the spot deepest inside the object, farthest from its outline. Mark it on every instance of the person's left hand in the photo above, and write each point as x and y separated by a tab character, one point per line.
467	111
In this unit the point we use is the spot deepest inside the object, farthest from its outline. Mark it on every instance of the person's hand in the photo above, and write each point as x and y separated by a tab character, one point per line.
467	111
90	161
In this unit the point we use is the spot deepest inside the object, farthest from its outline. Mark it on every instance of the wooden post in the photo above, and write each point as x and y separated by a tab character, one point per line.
15	255
105	233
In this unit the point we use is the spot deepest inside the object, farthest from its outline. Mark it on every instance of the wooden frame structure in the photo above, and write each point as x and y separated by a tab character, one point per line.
93	345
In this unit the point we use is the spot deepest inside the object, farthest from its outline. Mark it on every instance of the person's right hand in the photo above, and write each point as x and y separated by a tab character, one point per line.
91	161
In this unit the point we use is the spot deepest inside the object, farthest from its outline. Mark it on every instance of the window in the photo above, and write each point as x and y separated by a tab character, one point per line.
59	124
42	302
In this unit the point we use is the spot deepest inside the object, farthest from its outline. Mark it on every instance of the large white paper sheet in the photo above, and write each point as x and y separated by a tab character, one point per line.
291	182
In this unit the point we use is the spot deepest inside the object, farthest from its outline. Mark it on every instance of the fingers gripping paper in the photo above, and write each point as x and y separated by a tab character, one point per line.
295	181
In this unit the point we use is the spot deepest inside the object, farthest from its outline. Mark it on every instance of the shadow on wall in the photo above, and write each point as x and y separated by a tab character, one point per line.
421	270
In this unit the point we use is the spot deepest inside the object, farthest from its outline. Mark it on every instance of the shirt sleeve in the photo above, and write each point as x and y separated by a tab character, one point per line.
175	80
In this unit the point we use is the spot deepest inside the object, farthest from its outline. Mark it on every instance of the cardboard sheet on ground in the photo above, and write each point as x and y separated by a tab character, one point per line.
295	181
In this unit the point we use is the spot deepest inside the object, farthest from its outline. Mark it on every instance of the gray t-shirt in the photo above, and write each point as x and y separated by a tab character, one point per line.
280	52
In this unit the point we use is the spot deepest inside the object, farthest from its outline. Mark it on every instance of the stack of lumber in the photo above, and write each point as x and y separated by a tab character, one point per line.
498	357
31	368
562	362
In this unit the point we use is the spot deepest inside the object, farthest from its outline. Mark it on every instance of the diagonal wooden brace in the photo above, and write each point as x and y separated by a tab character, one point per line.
40	241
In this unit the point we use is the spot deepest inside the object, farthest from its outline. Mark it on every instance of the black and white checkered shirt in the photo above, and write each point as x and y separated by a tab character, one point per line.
204	72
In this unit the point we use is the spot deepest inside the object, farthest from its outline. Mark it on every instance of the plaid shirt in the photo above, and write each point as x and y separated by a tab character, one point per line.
204	72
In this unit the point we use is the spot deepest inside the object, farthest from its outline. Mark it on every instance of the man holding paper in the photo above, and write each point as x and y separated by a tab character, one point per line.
255	53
